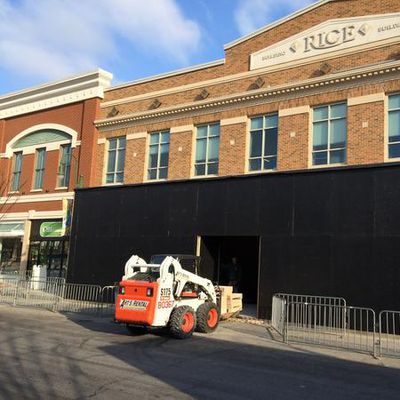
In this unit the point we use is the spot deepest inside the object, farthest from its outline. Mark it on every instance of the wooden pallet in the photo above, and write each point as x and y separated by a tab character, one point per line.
231	303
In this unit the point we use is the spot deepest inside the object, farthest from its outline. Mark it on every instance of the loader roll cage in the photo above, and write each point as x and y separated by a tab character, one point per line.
188	262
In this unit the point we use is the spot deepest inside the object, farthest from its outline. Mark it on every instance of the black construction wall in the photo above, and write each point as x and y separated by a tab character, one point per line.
330	232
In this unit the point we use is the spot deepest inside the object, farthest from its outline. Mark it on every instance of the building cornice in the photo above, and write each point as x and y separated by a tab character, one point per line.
170	74
71	90
247	74
34	198
262	94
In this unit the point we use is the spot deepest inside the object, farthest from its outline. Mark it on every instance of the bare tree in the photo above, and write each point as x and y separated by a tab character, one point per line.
7	198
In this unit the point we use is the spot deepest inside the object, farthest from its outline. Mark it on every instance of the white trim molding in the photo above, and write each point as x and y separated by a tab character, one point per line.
32	214
182	128
49	146
38	198
286	112
169	74
370	73
138	135
370	98
234	120
55	94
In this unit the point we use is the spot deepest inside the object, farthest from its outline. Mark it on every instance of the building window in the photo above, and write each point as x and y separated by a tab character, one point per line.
263	142
207	150
16	175
158	155
329	134
39	169
116	160
64	166
394	126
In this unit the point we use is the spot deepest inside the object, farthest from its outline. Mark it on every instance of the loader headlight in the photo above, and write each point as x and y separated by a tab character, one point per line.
149	292
121	290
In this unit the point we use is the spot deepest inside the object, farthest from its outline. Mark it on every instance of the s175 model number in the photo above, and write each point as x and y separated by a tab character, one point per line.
165	304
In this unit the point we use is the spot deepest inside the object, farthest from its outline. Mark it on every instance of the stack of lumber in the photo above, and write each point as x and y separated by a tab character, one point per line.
231	303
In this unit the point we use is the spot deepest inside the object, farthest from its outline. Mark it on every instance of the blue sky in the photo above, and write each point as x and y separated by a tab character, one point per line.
45	40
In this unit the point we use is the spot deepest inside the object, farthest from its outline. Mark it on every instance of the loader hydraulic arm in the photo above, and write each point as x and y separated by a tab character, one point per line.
182	277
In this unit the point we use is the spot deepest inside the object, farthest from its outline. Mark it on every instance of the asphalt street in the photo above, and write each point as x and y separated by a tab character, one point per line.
45	355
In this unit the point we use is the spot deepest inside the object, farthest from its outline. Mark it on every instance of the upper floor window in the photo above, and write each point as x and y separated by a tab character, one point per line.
207	150
116	160
39	168
394	126
158	155
263	142
64	167
16	174
329	134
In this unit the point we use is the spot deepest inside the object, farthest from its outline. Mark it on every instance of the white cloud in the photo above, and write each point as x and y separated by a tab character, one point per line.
49	39
253	14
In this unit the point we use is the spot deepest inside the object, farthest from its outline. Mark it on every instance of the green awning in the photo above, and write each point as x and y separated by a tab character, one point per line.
11	229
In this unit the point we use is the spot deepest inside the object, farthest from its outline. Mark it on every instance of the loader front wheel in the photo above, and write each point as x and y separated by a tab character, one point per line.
182	322
207	317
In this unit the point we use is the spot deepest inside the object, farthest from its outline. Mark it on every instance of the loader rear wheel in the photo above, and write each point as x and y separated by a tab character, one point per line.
207	317
182	322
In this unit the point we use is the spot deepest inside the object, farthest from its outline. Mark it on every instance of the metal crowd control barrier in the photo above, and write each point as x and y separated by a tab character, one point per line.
56	295
108	298
351	328
38	293
8	289
278	317
307	298
78	297
389	333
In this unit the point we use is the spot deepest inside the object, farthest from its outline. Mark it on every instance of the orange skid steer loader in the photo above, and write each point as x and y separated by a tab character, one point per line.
166	295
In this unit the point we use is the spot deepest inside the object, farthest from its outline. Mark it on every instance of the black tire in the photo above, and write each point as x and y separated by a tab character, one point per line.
207	317
182	322
136	329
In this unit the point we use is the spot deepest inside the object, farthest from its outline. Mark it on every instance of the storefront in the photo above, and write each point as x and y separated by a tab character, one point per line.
49	246
11	237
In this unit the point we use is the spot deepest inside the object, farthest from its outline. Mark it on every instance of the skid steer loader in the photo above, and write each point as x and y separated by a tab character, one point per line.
166	295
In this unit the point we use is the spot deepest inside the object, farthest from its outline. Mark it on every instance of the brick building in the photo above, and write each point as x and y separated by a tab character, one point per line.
283	155
47	148
316	89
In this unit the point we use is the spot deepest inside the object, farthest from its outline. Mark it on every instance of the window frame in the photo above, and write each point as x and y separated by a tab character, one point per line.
16	174
388	143
206	138
159	143
116	150
63	179
262	157
39	169
328	148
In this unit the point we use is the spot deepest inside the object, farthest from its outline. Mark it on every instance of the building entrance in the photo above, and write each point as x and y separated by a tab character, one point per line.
232	261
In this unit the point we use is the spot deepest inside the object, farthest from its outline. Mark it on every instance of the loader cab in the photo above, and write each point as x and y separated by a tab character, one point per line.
188	262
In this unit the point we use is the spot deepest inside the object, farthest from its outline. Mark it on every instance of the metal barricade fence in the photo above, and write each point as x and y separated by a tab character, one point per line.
108	297
278	317
312	299
389	333
8	289
77	297
351	328
38	292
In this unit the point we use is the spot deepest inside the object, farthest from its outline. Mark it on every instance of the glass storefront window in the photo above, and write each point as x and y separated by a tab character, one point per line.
51	253
10	255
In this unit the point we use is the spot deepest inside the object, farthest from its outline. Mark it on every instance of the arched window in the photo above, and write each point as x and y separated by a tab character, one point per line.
41	137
